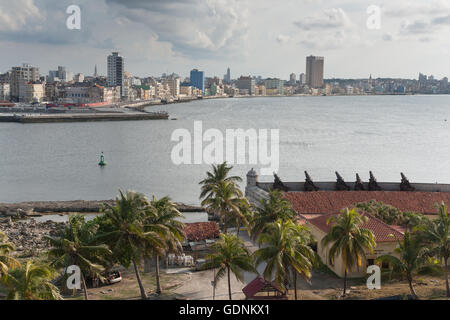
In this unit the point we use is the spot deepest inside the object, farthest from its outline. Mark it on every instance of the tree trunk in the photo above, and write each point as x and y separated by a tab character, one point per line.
147	265
84	287
447	287
345	281
295	284
138	277
411	287
158	284
229	283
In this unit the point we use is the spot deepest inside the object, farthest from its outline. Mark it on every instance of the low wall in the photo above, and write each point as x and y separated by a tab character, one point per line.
385	186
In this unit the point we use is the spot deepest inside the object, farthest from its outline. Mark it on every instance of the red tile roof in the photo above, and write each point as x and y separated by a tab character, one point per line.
324	202
380	230
258	285
201	231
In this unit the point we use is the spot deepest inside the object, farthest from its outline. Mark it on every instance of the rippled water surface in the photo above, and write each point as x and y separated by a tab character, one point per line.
385	134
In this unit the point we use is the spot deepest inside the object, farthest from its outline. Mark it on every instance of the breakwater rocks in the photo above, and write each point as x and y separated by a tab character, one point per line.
28	236
26	209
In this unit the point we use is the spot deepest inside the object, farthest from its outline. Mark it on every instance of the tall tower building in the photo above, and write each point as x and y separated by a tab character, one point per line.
95	72
314	71
198	80
116	68
227	77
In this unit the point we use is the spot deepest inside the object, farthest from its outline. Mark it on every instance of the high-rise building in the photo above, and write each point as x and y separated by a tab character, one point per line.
274	86
302	78
314	71
174	85
198	80
246	85
292	78
116	68
25	73
227	76
95	72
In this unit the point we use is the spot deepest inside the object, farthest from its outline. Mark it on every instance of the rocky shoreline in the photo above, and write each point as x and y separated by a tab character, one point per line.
24	209
28	236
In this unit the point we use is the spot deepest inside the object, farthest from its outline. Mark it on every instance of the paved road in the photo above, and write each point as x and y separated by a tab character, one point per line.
199	286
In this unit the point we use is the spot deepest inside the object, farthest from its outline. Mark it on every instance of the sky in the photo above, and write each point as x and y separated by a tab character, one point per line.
253	37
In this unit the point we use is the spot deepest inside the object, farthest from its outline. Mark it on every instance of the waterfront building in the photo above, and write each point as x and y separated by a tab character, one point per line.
261	90
274	86
82	94
25	73
246	85
32	91
314	71
302	79
173	82
314	209
5	92
198	79
292	79
116	70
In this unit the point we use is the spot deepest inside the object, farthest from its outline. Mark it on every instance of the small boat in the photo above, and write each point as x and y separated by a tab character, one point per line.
102	162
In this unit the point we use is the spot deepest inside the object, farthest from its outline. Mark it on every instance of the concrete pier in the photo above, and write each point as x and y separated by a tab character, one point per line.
46	118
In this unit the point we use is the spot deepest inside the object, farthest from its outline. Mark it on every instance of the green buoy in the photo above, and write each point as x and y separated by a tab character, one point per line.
102	162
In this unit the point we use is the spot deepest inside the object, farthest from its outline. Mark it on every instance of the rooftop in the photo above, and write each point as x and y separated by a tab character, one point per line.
381	231
332	202
201	231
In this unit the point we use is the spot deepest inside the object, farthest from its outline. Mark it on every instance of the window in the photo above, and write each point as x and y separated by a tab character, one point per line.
370	262
385	265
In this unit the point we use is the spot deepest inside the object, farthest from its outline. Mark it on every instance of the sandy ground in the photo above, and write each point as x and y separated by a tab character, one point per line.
324	286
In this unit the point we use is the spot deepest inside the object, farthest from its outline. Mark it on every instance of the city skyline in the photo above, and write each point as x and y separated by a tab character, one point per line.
156	37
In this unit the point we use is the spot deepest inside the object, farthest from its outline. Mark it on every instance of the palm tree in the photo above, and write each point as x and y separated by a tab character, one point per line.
349	240
219	174
230	256
164	222
271	210
6	260
285	249
244	215
437	234
31	282
225	201
412	256
76	245
124	229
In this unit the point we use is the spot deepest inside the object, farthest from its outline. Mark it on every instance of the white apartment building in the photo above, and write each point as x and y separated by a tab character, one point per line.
4	91
26	73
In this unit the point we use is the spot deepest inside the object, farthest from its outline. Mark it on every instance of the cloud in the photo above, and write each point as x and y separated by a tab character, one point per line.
329	20
282	38
193	27
16	15
332	29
